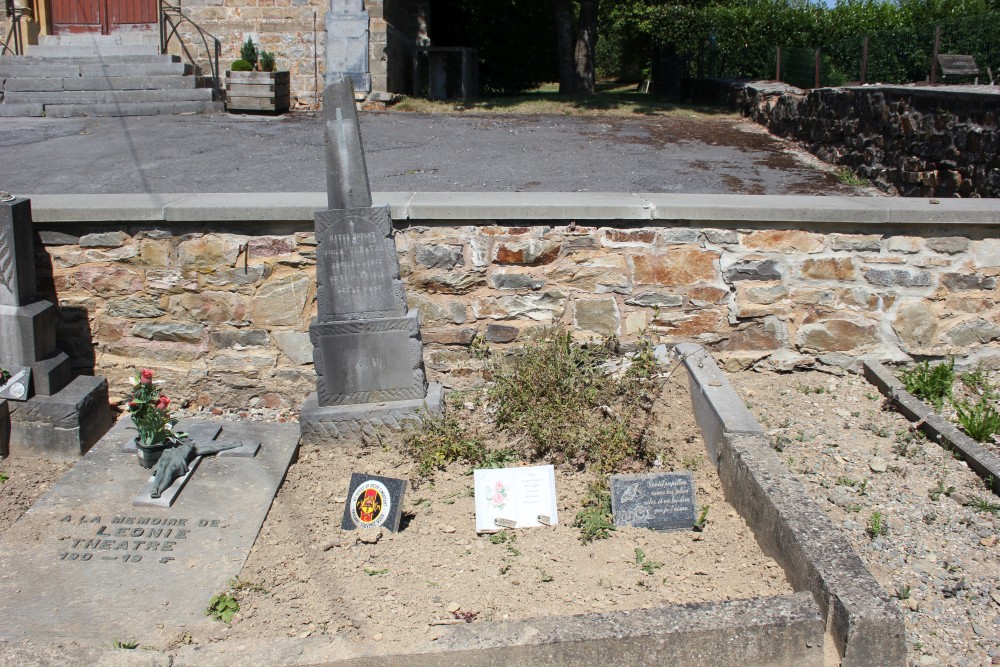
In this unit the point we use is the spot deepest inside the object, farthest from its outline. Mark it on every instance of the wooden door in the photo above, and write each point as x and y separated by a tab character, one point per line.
103	16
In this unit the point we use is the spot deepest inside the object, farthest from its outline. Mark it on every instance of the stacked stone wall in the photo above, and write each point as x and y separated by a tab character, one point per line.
917	142
224	316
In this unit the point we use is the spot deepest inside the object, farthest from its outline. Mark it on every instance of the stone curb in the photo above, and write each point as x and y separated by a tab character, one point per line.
777	631
481	207
985	463
866	626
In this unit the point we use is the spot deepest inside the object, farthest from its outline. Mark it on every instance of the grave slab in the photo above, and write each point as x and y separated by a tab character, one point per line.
84	563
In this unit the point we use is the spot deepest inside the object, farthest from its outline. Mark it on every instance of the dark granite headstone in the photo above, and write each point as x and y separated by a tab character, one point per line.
58	415
660	501
17	262
373	502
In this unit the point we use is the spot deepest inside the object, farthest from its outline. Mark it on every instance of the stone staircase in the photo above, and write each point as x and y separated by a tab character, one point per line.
100	75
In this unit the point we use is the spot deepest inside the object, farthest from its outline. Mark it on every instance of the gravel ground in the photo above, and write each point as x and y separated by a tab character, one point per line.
938	553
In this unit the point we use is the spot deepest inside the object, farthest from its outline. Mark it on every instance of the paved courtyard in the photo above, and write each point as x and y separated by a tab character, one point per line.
407	152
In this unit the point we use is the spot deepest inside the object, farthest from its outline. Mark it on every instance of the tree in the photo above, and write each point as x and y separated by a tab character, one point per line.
576	36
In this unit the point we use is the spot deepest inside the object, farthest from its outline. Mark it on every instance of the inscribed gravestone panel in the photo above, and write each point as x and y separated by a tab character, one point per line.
660	501
99	567
357	267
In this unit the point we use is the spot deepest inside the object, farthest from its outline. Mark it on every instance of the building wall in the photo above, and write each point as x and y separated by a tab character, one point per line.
224	315
286	27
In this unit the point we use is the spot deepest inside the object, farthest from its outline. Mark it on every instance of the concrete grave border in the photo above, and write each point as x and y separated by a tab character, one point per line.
985	463
865	625
840	615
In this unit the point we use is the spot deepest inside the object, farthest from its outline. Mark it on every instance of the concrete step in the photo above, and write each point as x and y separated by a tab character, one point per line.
110	96
102	83
21	109
160	58
117	69
94	51
129	109
88	38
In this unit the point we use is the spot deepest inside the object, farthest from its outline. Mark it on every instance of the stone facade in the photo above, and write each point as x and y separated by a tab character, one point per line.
224	316
286	27
917	142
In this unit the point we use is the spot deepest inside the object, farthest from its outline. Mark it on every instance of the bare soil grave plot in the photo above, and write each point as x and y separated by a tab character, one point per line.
307	577
938	549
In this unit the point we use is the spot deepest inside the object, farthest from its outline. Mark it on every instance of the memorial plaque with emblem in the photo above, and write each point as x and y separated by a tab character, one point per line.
373	502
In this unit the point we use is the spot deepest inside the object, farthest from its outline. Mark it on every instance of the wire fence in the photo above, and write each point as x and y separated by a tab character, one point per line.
907	55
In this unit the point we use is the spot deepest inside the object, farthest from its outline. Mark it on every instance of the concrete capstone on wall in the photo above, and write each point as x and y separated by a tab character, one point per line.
223	316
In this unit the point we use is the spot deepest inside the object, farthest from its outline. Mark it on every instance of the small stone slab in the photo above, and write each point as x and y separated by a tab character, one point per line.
246	450
659	501
373	502
18	386
84	563
167	498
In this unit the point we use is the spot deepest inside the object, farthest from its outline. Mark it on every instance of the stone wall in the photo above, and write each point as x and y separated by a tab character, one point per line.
285	27
224	315
917	142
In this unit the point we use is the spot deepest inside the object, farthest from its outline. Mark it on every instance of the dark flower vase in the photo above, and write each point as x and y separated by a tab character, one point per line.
149	456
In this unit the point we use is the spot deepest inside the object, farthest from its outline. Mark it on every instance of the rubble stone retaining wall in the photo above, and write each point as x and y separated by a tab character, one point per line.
917	142
224	315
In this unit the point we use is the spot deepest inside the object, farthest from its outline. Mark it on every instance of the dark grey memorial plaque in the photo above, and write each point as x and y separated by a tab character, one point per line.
83	562
373	502
660	501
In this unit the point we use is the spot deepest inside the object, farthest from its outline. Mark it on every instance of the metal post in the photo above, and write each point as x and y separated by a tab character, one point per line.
864	61
934	56
777	66
817	68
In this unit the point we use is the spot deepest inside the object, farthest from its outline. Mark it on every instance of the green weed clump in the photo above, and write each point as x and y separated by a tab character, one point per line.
594	520
930	383
443	440
559	396
980	420
222	607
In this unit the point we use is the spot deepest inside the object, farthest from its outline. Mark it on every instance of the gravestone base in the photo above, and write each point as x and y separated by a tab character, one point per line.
323	425
28	338
64	425
368	361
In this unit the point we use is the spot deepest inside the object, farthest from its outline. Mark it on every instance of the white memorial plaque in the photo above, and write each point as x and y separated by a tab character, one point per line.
518	495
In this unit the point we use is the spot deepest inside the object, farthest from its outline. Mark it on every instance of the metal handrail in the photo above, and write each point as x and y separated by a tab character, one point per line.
171	18
14	35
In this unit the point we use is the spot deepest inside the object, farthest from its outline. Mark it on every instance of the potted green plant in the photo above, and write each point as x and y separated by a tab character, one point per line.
253	82
150	412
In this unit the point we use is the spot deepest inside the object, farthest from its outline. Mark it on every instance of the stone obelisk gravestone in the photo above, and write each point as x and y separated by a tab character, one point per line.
347	44
54	415
366	344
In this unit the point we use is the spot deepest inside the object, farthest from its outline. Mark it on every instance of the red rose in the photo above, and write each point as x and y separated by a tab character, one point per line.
145	376
133	405
162	403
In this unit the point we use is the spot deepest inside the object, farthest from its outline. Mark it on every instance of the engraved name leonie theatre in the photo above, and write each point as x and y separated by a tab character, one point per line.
131	537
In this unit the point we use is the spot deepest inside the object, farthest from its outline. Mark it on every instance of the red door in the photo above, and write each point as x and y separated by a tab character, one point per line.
103	16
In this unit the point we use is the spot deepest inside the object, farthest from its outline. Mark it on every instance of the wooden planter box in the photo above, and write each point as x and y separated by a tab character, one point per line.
257	91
